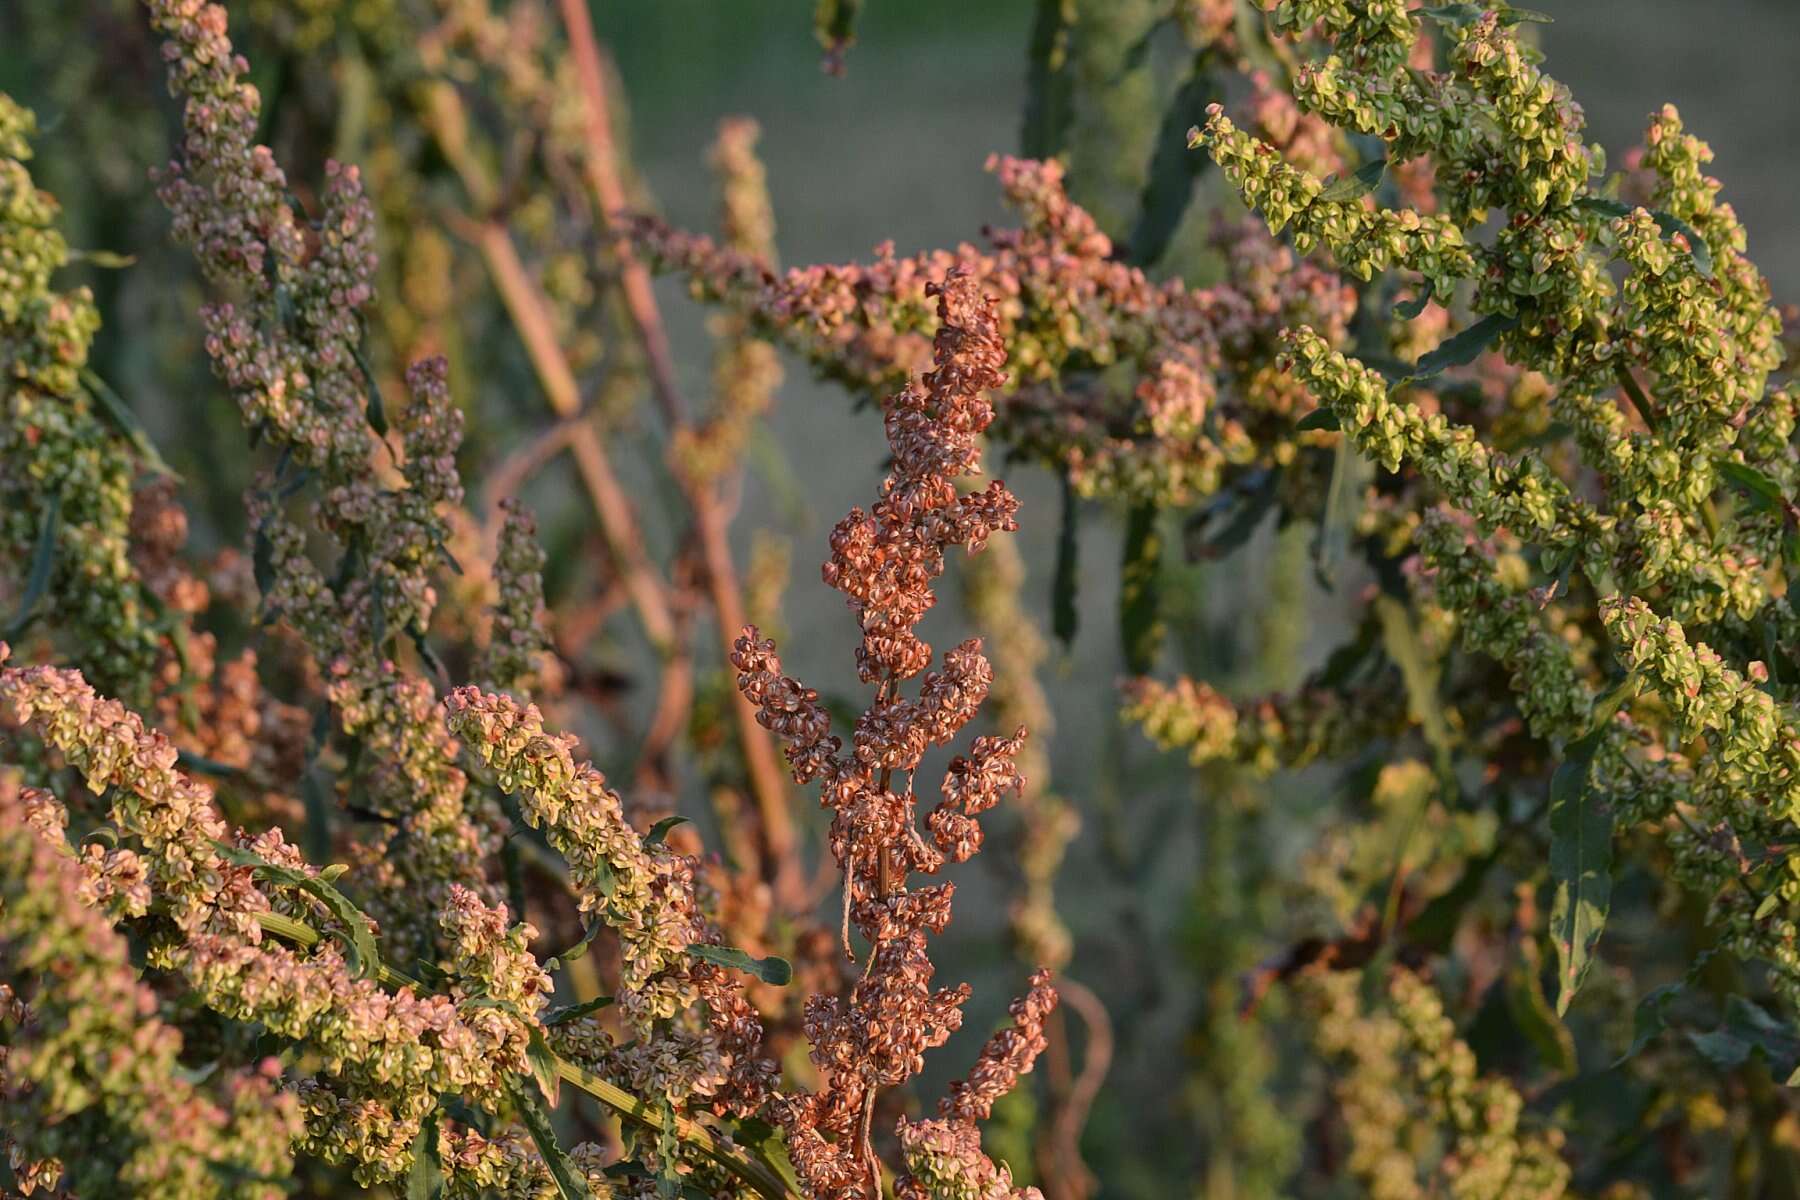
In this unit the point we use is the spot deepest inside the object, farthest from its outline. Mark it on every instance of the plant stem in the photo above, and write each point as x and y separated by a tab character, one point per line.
1638	399
767	776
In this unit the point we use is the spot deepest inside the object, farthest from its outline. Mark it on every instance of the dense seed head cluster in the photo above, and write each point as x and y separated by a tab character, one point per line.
1201	399
885	561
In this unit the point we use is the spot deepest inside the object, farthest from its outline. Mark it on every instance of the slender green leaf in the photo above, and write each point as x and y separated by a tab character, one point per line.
1530	1009
361	952
106	260
427	655
1320	418
1465	347
1608	706
119	415
1140	617
542	1061
659	832
426	1179
1064	617
206	766
1358	183
1048	81
570	1183
1169	186
1764	493
668	1153
1420	676
43	563
777	971
1332	538
564	1013
377	410
1206	537
292	486
1581	829
580	948
1407	310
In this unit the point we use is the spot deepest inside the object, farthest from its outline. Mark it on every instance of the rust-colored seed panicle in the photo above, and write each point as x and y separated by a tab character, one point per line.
885	561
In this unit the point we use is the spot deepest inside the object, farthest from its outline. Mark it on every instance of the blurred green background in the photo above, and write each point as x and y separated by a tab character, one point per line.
1153	888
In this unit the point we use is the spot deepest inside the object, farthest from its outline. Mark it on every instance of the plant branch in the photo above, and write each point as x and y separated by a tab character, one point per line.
757	1172
618	521
768	779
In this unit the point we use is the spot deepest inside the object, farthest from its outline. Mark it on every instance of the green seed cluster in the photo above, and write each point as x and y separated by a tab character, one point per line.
1667	507
66	471
1422	1120
93	1094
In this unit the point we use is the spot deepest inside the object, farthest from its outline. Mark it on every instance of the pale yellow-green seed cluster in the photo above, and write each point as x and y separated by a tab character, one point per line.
1422	1120
93	1094
637	889
1664	513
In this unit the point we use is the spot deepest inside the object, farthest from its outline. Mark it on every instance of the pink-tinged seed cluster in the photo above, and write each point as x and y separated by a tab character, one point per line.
384	1057
289	347
94	1097
1200	400
885	561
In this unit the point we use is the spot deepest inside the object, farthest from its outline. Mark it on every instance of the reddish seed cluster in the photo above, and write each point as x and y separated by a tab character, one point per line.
885	561
1205	396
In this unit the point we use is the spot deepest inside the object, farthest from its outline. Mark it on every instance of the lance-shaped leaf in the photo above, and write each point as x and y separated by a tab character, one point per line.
426	1179
122	419
659	832
1140	617
1406	310
1359	182
1581	829
1169	187
1349	471
43	562
1465	347
1064	618
377	410
1049	81
1764	493
361	952
570	1183
1229	520
1530	1009
578	949
777	971
543	1064
562	1014
1421	676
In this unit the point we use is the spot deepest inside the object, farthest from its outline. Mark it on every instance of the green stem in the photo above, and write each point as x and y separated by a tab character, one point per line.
1638	399
752	1168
